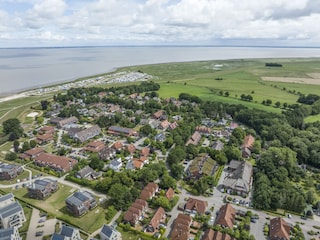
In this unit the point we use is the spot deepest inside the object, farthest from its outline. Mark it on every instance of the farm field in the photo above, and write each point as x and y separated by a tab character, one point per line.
210	80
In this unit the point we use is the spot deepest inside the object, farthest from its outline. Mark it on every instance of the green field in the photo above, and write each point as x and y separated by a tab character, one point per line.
55	205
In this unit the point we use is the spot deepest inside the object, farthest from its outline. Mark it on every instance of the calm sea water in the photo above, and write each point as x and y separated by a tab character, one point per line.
22	69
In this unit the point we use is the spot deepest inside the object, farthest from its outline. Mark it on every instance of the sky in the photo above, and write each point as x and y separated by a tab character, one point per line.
37	23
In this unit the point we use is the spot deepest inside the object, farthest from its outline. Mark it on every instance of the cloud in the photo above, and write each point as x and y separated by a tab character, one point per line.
160	21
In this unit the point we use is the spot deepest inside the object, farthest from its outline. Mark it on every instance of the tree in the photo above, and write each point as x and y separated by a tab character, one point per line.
120	196
167	182
13	128
44	104
226	94
176	155
96	163
176	171
11	156
26	146
277	104
33	143
16	145
146	130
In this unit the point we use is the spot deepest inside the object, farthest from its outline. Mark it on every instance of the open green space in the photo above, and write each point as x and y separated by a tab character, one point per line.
55	205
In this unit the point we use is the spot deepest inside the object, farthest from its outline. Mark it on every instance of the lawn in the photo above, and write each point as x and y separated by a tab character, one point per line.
312	118
55	205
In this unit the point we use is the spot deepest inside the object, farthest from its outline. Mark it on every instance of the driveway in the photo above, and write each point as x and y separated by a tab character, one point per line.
40	224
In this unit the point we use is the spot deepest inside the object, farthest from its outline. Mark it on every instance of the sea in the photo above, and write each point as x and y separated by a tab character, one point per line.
23	69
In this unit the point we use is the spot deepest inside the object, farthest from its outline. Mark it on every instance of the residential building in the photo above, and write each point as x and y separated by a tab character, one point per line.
11	212
116	164
116	130
160	115
218	145
181	227
67	233
42	188
80	202
32	153
57	163
202	165
95	146
10	234
107	153
239	177
88	173
210	234
9	171
44	138
247	146
226	216
158	217
194	206
194	139
149	191
62	122
132	216
203	130
47	130
164	125
279	229
109	233
170	194
117	145
131	148
87	133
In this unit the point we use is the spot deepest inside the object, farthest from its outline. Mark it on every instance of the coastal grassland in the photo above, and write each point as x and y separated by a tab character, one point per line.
210	79
55	205
17	108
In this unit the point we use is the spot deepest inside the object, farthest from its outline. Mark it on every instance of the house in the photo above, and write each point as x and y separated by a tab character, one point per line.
132	216
131	148
116	164
201	165
137	164
88	173
44	138
116	130
173	125
210	234
203	130
62	122
218	145
170	194
109	233
160	115
279	229
32	153
10	234
117	145
42	188
80	202
47	130
66	233
194	139
9	171
107	153
94	146
57	163
11	212
239	177
157	218
88	133
181	227
164	125
160	137
226	216
145	152
194	206
248	142
149	191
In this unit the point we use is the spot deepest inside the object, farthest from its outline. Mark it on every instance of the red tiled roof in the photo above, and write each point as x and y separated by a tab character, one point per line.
131	148
55	161
181	227
198	205
117	145
279	229
157	217
226	216
248	141
169	193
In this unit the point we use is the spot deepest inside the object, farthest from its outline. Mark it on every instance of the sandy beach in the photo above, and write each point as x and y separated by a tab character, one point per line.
12	97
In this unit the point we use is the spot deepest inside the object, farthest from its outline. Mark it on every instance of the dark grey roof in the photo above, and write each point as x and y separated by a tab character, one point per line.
78	198
120	129
41	183
57	236
6	234
85	171
107	230
6	197
7	167
10	209
67	231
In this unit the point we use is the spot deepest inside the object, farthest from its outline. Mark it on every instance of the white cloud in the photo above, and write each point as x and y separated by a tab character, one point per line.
161	21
